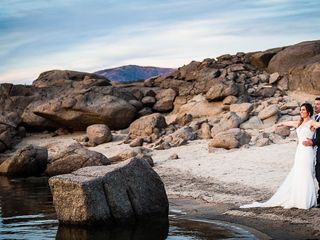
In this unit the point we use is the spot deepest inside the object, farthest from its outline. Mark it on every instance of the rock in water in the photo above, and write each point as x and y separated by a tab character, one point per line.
124	192
29	161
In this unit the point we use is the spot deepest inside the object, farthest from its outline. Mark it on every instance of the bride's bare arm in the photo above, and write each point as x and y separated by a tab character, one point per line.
289	124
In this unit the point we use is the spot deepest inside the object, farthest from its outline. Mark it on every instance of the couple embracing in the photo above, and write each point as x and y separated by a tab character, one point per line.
298	189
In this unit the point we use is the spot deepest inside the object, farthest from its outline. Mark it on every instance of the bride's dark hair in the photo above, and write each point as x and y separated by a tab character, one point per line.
309	109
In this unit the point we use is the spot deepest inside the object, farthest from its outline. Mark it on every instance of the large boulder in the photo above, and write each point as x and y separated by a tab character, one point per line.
36	122
67	78
305	78
98	134
228	121
165	100
262	59
16	97
125	192
198	107
232	138
79	109
147	125
68	158
300	64
268	112
221	90
253	123
300	54
28	161
242	110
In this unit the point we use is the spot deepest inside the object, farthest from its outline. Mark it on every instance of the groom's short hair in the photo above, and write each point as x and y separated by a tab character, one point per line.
317	99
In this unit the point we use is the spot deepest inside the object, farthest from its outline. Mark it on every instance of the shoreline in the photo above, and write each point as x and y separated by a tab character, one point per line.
260	227
214	185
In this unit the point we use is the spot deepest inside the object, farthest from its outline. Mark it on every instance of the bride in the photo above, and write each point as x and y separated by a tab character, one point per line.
298	189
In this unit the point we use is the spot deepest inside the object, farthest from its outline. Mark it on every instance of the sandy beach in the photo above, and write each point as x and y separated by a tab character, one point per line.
214	185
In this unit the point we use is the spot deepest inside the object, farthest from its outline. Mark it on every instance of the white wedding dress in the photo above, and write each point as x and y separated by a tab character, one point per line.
298	189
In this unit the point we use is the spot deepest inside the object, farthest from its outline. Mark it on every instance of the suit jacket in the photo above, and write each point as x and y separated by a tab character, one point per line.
316	143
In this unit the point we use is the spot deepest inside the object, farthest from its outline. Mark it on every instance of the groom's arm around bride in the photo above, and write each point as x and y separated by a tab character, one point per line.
315	142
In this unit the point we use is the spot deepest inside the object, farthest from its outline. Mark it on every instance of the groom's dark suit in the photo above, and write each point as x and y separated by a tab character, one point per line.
316	143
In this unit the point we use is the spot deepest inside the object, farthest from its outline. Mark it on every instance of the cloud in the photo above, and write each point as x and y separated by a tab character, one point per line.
170	34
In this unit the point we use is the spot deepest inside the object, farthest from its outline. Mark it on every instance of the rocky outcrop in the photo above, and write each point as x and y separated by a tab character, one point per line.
126	192
305	78
297	65
246	90
97	105
261	59
13	101
300	54
16	97
68	158
28	161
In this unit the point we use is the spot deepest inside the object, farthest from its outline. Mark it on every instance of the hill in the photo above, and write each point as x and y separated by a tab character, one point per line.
130	73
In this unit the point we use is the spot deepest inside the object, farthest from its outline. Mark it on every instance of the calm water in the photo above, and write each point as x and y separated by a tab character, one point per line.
26	212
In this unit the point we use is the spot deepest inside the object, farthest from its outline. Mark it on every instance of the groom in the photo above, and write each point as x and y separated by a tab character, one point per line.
315	142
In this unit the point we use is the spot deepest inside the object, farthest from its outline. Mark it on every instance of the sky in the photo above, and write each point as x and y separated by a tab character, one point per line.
91	35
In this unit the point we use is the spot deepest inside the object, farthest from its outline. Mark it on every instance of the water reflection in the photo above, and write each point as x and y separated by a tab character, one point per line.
27	212
155	230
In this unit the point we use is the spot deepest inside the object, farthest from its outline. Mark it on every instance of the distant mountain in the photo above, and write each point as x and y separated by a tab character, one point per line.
131	73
